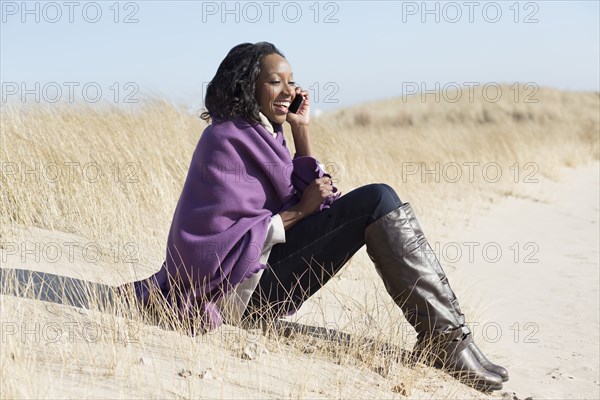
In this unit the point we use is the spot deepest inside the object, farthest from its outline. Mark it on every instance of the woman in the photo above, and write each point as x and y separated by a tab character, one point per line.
249	238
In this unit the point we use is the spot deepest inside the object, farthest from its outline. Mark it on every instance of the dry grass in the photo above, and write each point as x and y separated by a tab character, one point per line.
51	157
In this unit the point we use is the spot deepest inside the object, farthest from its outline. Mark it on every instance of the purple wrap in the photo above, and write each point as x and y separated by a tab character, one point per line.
239	177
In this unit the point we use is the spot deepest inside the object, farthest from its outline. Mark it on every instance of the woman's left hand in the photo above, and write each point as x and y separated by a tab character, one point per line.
302	117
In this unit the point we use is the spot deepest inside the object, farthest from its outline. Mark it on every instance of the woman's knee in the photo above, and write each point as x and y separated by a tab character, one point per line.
384	199
389	194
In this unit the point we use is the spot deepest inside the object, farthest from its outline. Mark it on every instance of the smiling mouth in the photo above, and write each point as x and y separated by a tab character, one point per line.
281	106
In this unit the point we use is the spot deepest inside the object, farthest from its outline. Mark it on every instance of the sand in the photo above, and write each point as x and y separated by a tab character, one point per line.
534	308
543	309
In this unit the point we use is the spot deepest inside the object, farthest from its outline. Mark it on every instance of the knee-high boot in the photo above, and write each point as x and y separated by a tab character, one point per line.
416	281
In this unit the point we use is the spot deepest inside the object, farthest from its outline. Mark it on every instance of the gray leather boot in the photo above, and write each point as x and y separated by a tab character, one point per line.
416	281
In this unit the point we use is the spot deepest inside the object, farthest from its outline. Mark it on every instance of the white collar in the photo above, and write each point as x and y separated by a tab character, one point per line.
264	121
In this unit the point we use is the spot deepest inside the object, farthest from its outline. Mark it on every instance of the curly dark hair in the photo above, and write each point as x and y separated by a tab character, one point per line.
231	93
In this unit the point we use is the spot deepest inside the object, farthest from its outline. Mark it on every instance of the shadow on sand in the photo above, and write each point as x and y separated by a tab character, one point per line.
97	296
56	289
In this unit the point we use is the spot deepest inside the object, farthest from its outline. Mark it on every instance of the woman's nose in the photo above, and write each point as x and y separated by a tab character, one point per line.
290	90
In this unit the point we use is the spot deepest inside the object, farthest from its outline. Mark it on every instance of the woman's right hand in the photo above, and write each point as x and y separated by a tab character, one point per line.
314	194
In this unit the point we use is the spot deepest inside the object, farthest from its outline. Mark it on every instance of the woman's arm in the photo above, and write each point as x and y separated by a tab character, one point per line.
317	190
301	136
291	216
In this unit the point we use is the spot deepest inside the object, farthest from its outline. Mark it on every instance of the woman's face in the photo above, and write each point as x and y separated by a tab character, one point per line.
275	88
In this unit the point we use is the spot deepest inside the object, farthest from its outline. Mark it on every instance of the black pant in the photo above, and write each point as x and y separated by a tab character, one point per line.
316	248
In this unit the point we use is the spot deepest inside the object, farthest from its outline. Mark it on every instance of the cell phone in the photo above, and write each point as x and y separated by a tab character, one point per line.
295	106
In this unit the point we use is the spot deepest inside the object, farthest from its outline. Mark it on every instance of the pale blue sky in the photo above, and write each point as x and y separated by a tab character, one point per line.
368	54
